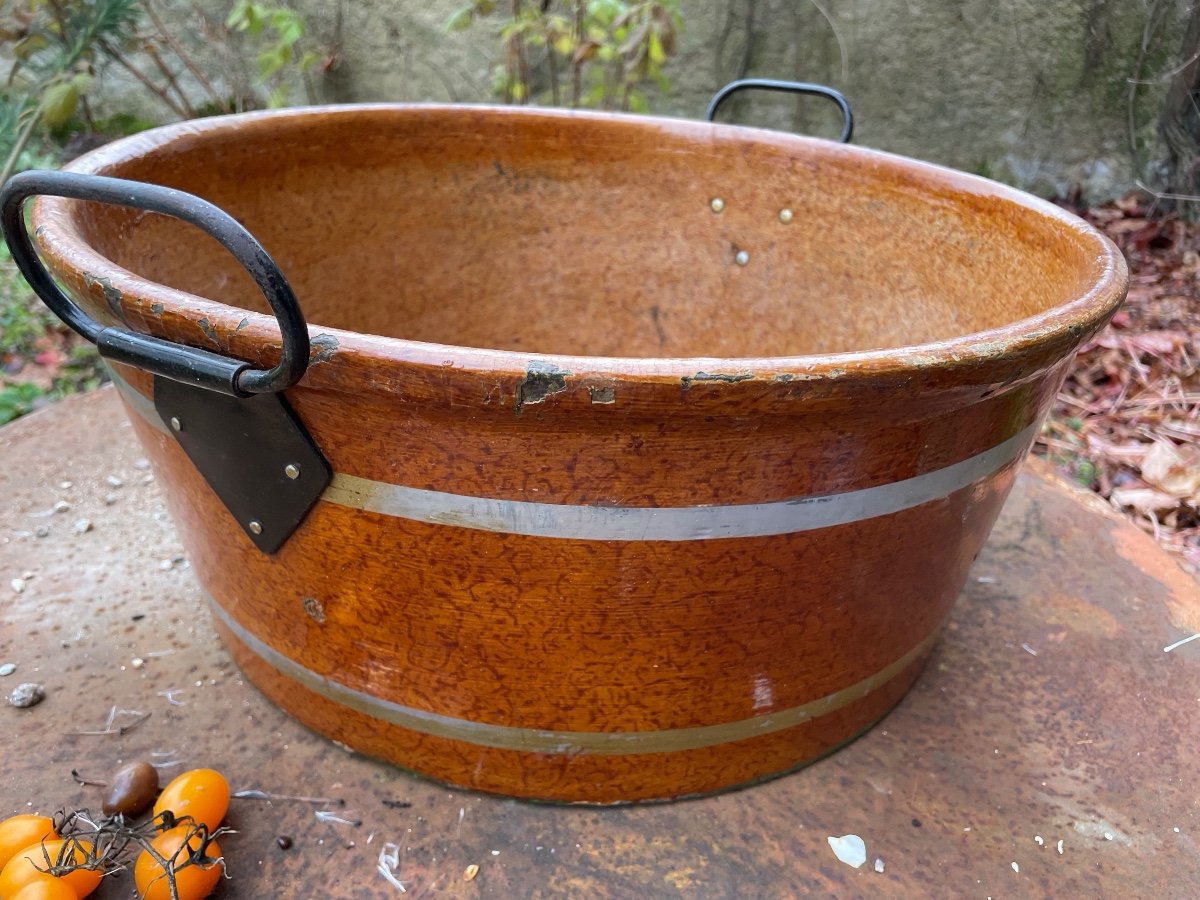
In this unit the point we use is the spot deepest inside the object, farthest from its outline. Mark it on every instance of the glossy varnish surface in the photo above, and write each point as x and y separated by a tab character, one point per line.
590	340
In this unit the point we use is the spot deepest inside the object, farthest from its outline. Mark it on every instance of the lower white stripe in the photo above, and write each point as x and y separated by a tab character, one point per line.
536	740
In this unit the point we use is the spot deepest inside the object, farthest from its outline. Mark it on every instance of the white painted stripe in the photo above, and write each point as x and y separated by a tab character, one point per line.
547	741
678	523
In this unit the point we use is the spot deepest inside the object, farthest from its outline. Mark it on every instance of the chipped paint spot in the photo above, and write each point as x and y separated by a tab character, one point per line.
112	295
242	324
209	331
315	610
603	396
322	348
157	308
688	380
540	381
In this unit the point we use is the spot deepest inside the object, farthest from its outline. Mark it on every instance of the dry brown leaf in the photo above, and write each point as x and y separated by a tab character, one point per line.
1143	500
1174	469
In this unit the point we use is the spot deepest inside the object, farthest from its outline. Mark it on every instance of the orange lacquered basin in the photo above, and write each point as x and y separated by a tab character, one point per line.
660	449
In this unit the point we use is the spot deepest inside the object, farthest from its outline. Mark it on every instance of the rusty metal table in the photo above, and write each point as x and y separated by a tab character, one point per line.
1050	749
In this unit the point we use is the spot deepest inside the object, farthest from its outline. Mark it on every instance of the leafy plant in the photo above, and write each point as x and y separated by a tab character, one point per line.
595	53
56	48
281	34
17	399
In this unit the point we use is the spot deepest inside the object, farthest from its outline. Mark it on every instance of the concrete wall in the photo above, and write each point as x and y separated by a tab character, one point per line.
1033	92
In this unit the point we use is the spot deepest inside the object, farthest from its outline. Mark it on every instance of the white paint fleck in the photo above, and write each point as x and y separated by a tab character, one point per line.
849	848
878	864
1170	647
764	697
1060	848
1038	840
1176	829
1015	867
1108	835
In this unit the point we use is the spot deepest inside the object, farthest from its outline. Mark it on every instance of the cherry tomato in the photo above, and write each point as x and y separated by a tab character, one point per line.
201	793
46	889
192	880
29	865
20	832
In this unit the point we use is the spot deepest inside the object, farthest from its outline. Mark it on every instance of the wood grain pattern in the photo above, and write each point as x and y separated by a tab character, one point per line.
543	307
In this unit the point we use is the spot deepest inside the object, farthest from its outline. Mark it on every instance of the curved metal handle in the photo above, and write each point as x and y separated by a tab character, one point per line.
790	87
190	365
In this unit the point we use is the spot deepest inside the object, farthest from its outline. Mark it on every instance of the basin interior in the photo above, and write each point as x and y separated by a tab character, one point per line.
595	236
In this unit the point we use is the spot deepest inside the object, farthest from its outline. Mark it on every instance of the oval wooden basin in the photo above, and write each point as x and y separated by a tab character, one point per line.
662	449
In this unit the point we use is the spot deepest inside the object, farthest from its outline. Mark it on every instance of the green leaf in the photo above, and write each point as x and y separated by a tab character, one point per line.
272	60
288	26
564	45
59	102
655	49
16	400
461	19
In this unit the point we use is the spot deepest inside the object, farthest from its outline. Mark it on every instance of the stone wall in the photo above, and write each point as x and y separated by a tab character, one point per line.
1033	92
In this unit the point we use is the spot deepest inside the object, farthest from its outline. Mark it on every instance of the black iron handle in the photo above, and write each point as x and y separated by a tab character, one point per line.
790	87
179	362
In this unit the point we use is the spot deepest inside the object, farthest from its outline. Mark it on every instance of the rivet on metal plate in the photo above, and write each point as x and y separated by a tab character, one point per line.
717	204
742	258
176	424
785	216
255	526
292	471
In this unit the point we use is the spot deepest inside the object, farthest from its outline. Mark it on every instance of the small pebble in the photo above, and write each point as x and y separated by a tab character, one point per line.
7	669
18	585
1015	867
471	871
67	485
41	531
132	789
137	662
61	506
110	499
141	463
27	695
878	864
149	479
82	526
114	481
283	842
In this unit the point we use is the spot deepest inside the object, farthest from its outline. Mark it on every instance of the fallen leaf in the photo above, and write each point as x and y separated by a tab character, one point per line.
1143	500
1174	469
850	849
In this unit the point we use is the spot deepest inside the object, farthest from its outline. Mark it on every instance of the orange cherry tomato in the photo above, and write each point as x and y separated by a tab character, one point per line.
46	889
201	793
193	881
29	866
20	832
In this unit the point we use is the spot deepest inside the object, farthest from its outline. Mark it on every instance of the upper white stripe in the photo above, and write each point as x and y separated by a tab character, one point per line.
676	523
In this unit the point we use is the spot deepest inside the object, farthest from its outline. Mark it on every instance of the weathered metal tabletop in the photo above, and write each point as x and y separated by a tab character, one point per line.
1051	748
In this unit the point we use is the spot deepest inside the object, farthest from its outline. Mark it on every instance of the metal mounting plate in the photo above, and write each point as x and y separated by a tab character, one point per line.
253	452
